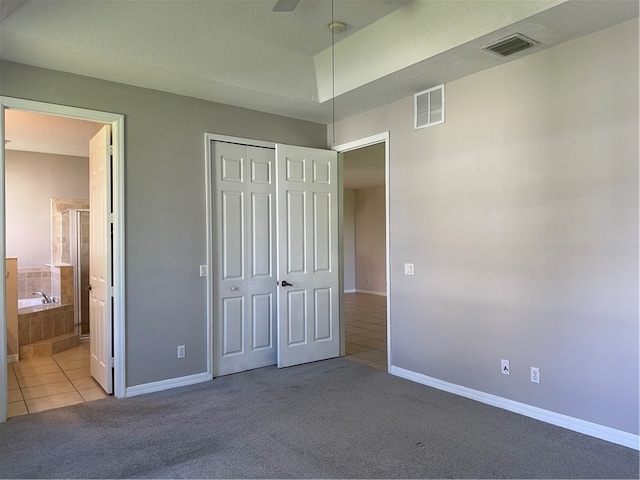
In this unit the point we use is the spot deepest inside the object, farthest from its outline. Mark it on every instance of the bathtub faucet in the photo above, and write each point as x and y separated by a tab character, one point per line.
45	297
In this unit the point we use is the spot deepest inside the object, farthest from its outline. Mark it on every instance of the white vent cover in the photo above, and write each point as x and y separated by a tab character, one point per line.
428	107
510	45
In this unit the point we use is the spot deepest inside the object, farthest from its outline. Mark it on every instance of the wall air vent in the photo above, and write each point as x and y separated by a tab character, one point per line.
510	45
428	107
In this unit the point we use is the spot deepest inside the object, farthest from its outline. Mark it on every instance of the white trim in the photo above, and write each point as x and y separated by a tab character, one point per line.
371	292
4	392
239	140
342	338
13	358
167	384
118	258
209	222
117	124
353	290
571	423
365	142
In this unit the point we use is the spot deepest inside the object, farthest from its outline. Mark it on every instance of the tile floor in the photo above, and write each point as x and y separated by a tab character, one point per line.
365	325
42	383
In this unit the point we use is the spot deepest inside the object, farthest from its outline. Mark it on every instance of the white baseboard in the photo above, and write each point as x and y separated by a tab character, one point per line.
372	292
581	426
351	290
166	384
12	358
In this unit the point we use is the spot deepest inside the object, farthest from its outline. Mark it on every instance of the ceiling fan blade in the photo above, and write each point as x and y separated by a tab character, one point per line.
286	5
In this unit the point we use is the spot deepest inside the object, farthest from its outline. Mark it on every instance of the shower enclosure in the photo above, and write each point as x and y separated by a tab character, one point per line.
75	251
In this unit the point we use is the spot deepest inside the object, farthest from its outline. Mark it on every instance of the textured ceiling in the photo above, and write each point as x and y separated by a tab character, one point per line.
241	53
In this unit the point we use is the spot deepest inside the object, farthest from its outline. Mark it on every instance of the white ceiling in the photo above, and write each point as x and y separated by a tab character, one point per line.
241	53
33	132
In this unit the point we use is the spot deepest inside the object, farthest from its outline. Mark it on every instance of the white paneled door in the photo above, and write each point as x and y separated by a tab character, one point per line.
275	288
308	313
244	333
99	257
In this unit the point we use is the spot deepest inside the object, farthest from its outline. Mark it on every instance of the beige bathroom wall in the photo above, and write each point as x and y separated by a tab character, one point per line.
32	180
32	279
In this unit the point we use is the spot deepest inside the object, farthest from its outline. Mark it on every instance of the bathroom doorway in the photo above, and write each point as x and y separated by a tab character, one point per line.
69	362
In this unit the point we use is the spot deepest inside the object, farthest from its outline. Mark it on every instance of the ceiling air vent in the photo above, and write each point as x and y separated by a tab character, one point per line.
510	45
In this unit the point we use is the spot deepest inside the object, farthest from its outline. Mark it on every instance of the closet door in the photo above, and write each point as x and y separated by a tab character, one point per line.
244	334
308	296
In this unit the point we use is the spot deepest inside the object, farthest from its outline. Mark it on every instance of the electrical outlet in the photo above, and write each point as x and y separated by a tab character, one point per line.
504	367
535	375
182	351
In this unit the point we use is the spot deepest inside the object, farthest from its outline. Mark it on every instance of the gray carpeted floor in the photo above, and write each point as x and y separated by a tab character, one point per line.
331	419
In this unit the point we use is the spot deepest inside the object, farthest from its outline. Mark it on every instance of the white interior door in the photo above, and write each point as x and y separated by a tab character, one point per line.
308	308
99	258
244	270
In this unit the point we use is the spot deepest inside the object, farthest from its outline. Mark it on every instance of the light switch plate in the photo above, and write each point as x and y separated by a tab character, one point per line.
203	270
504	366
409	269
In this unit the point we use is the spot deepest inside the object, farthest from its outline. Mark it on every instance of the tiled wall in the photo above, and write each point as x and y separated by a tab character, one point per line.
55	281
59	235
62	283
32	279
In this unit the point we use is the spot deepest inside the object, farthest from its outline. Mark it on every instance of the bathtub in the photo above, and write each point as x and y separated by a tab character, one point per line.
29	305
39	321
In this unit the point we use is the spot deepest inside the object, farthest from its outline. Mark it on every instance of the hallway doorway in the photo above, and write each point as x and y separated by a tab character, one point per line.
365	234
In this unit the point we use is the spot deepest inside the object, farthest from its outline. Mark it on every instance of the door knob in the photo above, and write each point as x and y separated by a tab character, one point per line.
88	288
284	283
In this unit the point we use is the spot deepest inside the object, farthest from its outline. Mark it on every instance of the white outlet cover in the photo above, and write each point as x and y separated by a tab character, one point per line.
535	375
409	269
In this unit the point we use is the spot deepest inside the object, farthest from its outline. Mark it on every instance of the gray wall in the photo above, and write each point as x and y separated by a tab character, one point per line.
164	206
371	255
32	179
349	238
521	216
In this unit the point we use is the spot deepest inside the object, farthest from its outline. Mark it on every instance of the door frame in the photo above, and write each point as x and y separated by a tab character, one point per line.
118	257
346	147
